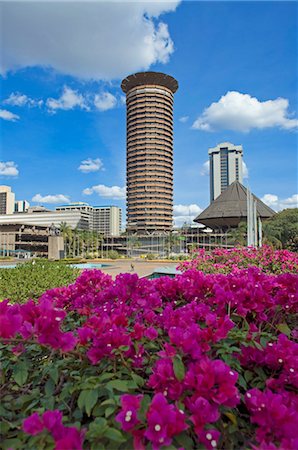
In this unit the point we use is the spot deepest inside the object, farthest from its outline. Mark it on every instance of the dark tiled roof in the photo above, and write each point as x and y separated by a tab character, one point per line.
231	207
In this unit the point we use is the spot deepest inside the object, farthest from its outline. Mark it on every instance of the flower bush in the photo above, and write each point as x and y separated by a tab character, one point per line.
199	361
224	261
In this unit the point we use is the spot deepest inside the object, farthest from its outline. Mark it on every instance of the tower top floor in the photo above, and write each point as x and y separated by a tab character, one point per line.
149	78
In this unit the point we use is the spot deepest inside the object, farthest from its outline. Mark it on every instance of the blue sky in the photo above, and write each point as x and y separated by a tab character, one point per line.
62	113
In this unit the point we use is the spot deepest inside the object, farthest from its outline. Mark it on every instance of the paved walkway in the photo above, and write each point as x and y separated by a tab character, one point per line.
142	268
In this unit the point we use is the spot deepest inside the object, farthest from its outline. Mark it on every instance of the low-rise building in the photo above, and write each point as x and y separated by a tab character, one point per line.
74	219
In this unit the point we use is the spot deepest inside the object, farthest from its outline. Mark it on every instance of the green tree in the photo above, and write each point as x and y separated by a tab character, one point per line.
237	236
281	230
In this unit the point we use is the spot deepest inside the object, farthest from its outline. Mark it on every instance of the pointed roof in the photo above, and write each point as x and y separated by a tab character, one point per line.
230	208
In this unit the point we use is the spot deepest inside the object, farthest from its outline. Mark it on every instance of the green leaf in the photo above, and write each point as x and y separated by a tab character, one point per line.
137	379
109	411
248	375
184	441
120	385
242	382
114	435
20	373
87	400
53	374
49	387
283	328
178	366
90	400
146	400
12	443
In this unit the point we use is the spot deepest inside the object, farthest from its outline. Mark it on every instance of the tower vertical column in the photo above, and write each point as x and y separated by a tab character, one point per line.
149	101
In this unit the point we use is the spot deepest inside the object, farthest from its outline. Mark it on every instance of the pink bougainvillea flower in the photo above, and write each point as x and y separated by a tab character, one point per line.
72	439
128	415
203	413
10	320
33	424
163	422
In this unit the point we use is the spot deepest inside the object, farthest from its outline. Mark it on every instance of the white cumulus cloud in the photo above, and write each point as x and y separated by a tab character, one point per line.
54	199
91	165
105	101
69	99
8	169
7	115
91	40
278	204
185	214
112	192
242	112
17	99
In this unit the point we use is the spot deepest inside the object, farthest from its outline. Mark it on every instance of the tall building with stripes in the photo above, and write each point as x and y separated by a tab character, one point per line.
149	101
225	161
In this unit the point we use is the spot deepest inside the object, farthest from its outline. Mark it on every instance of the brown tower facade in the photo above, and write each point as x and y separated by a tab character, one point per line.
149	102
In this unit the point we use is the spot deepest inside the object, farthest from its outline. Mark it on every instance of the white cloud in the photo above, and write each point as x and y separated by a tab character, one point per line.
17	99
56	198
245	173
91	40
241	112
185	214
113	192
278	204
7	115
123	99
68	100
105	101
8	169
205	169
90	165
183	119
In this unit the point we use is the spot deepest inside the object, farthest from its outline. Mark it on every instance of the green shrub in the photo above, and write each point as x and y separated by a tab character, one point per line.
112	254
150	256
31	279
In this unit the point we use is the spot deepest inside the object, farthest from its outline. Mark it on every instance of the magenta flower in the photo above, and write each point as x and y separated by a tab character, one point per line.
33	424
203	413
151	333
10	320
72	439
163	379
128	415
164	421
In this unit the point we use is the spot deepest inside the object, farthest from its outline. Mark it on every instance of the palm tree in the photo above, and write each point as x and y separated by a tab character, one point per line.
67	234
237	236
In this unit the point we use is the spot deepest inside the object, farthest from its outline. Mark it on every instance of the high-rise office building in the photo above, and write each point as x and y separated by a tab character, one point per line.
225	162
7	200
149	101
107	220
102	219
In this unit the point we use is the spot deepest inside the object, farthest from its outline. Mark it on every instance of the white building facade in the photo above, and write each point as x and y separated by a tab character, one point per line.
226	164
107	220
101	219
7	200
72	218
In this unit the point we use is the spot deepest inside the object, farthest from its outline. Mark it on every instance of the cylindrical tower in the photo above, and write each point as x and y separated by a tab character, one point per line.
149	101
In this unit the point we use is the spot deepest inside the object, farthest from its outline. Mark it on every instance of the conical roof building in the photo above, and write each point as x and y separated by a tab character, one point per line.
230	208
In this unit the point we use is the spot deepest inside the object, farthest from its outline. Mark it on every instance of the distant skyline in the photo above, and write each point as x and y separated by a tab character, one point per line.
62	111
